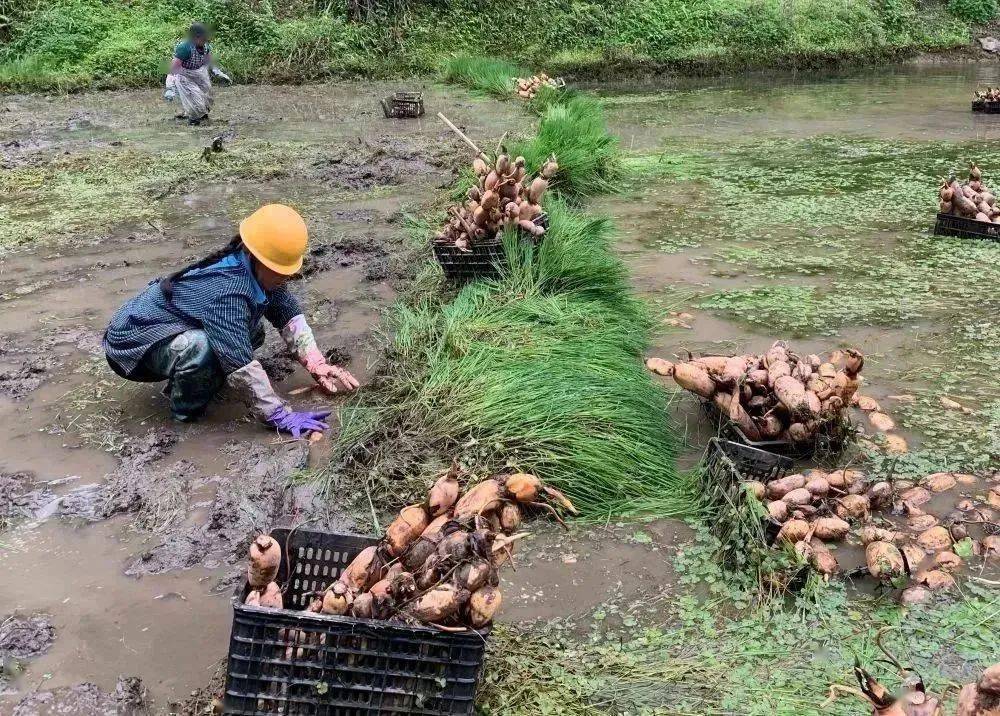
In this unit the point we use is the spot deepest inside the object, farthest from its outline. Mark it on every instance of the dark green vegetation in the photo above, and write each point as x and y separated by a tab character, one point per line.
678	653
65	44
978	11
538	370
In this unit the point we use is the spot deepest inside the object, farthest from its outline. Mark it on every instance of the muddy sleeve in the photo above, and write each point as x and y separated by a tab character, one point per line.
226	320
282	307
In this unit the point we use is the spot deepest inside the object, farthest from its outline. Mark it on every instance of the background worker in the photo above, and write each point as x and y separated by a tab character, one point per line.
198	327
188	77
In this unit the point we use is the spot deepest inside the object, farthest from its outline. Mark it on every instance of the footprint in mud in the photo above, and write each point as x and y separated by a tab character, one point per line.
21	639
20	499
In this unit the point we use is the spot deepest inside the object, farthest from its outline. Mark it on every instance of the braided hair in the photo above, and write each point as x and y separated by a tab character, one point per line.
167	283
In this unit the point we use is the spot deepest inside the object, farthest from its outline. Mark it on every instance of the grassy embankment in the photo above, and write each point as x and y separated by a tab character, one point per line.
67	44
539	369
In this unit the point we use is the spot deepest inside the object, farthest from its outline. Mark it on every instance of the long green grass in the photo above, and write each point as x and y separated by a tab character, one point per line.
484	74
539	369
116	44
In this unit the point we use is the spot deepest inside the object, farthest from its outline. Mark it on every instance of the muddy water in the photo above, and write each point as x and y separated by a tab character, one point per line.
70	424
688	234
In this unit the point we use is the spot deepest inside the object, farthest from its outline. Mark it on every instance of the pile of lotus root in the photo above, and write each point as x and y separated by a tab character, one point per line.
502	198
971	199
527	87
438	562
988	95
816	509
777	396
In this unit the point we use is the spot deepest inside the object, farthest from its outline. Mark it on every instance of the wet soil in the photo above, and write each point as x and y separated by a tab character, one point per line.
126	530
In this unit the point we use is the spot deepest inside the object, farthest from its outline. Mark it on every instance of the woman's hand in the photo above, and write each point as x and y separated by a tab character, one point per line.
334	379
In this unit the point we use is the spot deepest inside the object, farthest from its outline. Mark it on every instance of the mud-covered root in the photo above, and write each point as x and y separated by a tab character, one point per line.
405	529
483	606
439	604
270	596
265	558
337	599
481	498
364	570
444	494
885	561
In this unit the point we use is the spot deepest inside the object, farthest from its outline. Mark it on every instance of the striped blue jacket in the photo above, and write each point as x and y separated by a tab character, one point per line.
224	299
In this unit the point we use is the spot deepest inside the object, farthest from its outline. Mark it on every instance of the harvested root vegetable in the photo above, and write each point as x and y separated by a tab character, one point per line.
364	570
405	529
884	561
523	487
483	605
822	559
481	498
830	528
778	510
919	523
337	599
800	496
776	489
935	539
660	366
794	530
694	378
879	495
895	445
510	517
791	393
253	598
440	603
853	507
818	486
881	422
265	558
915	556
755	488
936	580
940	481
362	606
990	546
473	575
444	493
915	496
871	533
947	561
867	404
270	596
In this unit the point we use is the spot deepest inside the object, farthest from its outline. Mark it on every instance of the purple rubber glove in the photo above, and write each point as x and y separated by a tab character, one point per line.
297	423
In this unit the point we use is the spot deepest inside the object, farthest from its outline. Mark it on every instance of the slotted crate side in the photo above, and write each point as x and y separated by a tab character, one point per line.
963	227
824	443
290	662
481	261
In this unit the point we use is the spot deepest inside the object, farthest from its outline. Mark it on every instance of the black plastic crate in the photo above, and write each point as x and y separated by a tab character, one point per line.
403	105
826	443
966	228
293	662
985	107
745	531
483	259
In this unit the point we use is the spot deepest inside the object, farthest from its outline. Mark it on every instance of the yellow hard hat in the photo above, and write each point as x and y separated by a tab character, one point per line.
276	235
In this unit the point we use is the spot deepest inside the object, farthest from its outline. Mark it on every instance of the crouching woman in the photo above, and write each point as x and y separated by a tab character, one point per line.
198	328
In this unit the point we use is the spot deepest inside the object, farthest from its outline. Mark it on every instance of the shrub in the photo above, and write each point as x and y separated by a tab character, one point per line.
975	11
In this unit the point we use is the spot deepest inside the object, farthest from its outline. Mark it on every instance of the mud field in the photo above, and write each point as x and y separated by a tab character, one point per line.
744	198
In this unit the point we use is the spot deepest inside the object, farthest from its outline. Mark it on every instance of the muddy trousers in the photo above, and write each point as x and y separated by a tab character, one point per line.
191	369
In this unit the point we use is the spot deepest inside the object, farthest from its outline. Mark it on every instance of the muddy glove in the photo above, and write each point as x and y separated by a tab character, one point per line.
221	75
170	92
253	379
297	423
300	341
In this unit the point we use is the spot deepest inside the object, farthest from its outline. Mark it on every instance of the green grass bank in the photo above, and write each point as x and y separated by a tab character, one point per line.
538	370
69	44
